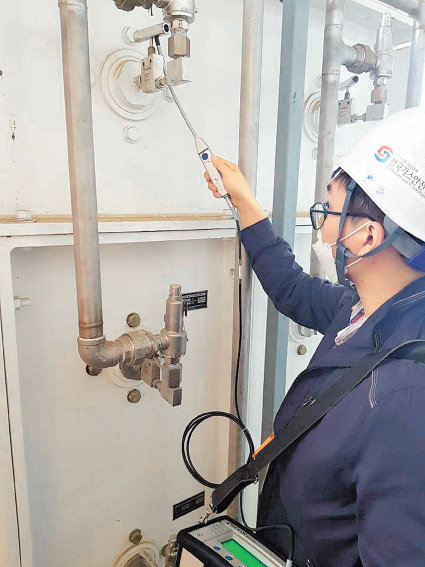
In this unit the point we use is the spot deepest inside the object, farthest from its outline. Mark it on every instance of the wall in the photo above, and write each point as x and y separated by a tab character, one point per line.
97	467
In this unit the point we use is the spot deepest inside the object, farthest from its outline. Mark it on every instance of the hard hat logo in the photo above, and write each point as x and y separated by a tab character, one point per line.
384	153
388	163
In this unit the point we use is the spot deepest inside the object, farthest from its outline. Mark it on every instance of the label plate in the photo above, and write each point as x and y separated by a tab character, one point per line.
188	505
196	300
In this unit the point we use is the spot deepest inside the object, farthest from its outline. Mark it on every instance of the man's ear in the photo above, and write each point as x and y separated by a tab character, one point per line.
374	235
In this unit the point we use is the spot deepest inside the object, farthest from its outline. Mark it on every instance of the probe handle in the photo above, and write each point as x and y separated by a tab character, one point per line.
212	171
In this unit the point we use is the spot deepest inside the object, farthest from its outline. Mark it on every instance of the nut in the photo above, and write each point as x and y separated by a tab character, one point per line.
92	371
135	536
133	320
178	46
302	349
134	396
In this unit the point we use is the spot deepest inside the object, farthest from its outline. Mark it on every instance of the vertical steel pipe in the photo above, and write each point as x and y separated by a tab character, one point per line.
252	49
417	58
332	59
329	95
78	104
249	126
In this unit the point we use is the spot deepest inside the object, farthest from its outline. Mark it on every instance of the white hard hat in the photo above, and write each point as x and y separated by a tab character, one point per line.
389	165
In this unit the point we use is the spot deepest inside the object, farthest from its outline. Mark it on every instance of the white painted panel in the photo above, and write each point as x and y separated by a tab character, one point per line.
9	543
97	465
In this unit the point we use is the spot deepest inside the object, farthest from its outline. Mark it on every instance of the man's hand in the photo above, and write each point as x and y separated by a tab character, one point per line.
234	182
250	212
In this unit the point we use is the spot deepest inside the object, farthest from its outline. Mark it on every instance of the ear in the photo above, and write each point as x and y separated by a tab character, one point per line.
372	236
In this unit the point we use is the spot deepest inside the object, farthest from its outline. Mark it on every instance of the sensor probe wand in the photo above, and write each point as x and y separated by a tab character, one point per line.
202	148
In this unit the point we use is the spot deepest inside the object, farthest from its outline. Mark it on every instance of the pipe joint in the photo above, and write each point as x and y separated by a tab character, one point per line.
139	345
100	353
364	59
173	344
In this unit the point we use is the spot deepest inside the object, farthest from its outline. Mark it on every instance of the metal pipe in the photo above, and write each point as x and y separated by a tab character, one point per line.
76	77
251	65
332	59
249	126
145	34
93	347
417	58
252	48
409	6
349	55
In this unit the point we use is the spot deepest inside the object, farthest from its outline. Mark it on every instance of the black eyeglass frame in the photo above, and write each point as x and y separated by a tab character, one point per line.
324	210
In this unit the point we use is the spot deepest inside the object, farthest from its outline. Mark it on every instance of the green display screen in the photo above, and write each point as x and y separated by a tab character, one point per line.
242	554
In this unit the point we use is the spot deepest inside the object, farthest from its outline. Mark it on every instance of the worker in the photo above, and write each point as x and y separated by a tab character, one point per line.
353	487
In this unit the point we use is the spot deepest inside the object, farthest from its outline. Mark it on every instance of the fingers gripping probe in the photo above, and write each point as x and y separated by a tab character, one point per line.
202	148
205	155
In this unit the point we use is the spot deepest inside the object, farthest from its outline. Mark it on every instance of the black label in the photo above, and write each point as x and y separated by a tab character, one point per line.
188	505
196	300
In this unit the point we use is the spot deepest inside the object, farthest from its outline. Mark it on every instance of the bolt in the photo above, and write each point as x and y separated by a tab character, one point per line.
134	396
302	349
135	536
91	371
133	320
1	72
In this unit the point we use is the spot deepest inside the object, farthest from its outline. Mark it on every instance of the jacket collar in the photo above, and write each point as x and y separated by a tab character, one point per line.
397	320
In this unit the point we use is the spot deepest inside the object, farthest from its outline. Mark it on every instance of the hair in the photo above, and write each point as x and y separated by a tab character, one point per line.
360	202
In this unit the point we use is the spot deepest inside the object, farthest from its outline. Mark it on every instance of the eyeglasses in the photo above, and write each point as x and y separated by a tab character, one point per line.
319	211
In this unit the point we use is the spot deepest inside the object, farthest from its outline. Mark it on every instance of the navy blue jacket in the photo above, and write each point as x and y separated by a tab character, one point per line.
353	488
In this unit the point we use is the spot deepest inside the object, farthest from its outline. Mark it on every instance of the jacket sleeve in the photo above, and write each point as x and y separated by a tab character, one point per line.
311	302
390	481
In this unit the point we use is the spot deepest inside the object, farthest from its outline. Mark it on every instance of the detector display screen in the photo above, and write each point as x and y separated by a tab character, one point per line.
242	554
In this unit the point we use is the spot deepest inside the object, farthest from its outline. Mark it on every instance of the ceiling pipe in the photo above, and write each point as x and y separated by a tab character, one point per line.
408	6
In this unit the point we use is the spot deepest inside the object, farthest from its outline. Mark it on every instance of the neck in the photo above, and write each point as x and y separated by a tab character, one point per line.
378	279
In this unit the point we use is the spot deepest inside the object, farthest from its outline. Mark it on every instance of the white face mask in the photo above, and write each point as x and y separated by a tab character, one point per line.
324	254
323	251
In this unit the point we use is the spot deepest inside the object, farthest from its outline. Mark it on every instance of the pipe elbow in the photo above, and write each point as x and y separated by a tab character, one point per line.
99	353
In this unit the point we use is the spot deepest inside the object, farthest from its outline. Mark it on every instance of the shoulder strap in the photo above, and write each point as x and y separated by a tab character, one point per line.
308	416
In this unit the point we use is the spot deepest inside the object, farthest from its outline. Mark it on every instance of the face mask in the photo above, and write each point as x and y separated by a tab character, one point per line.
325	256
323	251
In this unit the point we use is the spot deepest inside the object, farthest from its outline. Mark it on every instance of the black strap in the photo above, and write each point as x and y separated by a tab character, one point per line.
308	416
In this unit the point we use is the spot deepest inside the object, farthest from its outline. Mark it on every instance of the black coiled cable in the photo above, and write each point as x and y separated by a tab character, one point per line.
236	419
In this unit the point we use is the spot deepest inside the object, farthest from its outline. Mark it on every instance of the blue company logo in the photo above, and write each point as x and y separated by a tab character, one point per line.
384	153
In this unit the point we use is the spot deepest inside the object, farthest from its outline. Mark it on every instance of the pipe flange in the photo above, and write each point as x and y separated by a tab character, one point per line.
365	59
118	72
145	554
116	377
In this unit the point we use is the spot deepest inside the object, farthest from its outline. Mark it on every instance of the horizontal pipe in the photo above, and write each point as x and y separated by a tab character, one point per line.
348	54
409	6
